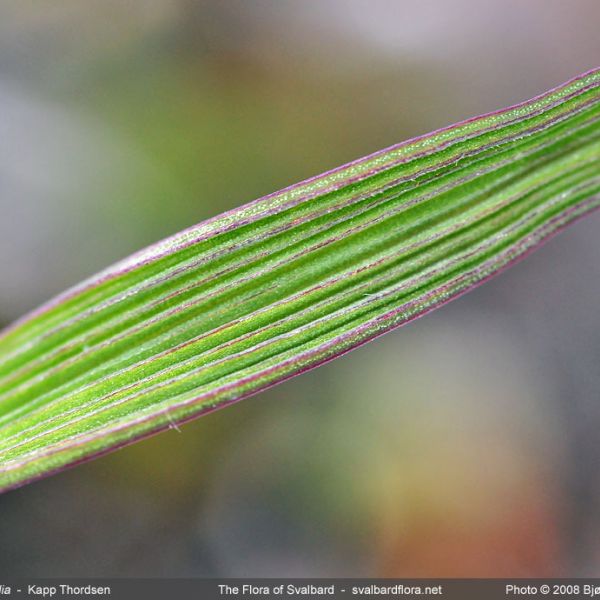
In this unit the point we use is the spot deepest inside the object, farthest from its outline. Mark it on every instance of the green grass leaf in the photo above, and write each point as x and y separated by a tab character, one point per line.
276	287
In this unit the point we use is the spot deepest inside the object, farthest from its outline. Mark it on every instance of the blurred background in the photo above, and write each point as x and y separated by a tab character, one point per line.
465	444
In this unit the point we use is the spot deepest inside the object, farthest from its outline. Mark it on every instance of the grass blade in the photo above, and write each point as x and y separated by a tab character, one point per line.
276	287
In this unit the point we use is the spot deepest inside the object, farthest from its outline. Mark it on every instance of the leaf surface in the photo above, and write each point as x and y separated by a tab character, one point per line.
259	294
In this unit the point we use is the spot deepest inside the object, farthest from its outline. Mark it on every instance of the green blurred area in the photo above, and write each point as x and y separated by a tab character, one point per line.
463	445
